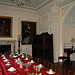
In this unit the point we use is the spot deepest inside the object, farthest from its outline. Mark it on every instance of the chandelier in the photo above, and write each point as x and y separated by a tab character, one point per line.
20	2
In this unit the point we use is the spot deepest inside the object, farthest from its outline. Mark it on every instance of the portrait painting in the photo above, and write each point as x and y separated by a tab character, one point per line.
28	31
5	26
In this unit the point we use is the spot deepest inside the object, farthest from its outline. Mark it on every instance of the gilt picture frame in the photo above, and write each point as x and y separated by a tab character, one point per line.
28	30
5	26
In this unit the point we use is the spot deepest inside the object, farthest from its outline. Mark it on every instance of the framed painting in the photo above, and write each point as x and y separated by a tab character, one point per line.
5	26
28	31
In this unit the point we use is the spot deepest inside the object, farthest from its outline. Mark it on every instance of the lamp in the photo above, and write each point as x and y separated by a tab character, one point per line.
20	2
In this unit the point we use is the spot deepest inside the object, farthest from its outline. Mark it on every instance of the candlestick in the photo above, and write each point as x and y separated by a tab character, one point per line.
19	39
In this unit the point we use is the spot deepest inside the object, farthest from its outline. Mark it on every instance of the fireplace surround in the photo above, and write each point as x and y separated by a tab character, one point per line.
7	46
5	49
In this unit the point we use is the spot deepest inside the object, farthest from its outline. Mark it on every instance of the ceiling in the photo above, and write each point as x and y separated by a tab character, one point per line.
35	4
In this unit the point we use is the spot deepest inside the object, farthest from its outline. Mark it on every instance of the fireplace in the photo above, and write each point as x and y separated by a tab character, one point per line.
5	49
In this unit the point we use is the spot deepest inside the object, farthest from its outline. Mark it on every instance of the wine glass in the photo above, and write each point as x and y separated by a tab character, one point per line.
36	68
26	64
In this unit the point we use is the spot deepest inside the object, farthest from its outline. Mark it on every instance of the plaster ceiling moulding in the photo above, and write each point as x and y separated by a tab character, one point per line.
31	4
65	2
20	3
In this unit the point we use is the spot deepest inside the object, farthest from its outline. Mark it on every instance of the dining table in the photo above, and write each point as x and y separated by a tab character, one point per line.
22	68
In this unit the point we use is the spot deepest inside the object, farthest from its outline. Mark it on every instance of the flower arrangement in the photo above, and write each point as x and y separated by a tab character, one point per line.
72	41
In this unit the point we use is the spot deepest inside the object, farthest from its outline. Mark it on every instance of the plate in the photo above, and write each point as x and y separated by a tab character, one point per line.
11	69
7	64
2	55
50	73
14	56
6	60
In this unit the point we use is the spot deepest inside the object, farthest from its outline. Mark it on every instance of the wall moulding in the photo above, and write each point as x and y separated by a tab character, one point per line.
45	18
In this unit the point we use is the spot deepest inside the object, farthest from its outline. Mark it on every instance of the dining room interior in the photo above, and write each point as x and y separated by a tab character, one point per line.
37	32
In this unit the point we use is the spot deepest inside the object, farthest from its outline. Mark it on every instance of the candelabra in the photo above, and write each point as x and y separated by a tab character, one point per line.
19	40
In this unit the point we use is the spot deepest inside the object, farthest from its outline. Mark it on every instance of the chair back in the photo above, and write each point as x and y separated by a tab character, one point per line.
71	72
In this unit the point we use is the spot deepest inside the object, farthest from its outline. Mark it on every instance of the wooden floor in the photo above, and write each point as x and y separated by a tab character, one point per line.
67	66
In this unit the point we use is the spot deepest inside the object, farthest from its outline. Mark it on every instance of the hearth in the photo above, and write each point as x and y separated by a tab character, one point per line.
5	49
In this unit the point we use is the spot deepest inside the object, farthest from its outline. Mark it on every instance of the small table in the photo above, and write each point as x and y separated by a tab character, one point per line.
63	58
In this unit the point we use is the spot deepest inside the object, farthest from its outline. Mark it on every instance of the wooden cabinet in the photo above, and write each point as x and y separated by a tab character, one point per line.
42	46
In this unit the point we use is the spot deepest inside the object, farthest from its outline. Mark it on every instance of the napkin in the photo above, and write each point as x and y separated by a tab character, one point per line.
26	58
22	56
32	61
19	59
4	57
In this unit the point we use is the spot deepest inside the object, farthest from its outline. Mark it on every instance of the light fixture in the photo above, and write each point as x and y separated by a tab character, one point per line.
20	2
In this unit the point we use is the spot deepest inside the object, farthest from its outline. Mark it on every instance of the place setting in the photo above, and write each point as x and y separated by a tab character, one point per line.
8	64
50	72
6	60
12	70
14	56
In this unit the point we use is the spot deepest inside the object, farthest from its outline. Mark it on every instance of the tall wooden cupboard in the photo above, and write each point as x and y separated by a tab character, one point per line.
42	46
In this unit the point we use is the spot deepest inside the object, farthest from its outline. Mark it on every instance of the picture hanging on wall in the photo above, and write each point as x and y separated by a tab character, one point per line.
5	26
28	31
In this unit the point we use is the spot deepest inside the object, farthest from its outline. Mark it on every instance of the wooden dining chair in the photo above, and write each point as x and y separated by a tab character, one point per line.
48	64
56	68
71	72
52	66
38	60
35	59
45	63
41	61
29	57
59	70
64	71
